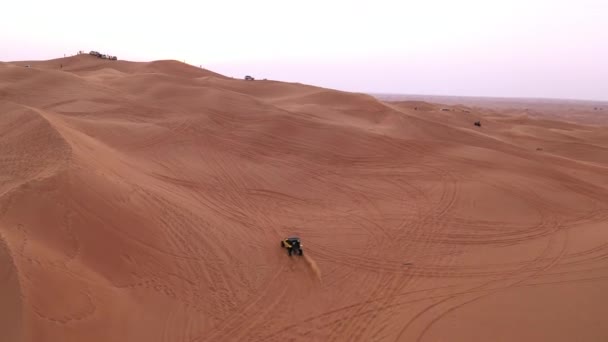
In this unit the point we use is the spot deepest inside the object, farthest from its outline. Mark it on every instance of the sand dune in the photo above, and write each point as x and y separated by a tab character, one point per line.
146	202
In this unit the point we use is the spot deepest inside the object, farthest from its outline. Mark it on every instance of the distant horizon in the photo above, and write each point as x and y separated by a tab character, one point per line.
490	97
553	49
372	93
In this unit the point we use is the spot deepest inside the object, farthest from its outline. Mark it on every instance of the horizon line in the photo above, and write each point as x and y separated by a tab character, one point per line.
371	93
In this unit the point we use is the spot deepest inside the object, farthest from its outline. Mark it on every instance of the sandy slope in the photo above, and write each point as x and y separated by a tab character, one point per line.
146	202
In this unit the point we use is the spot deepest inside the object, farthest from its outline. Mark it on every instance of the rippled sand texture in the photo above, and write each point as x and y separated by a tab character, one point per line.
146	202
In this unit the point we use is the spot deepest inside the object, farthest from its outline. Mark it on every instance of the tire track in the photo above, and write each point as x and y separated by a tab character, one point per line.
551	264
523	233
342	312
355	324
534	264
231	324
545	222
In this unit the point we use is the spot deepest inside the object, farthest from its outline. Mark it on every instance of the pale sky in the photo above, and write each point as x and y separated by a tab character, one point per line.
521	48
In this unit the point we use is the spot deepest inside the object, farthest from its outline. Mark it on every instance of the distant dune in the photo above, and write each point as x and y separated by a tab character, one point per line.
577	111
146	202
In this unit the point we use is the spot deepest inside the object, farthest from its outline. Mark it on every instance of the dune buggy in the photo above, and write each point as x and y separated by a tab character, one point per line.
293	245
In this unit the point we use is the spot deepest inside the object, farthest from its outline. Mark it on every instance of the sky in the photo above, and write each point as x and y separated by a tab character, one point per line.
513	48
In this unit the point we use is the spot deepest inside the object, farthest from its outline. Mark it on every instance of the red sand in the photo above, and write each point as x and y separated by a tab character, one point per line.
146	202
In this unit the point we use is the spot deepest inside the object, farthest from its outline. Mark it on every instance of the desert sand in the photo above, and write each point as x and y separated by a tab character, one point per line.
146	202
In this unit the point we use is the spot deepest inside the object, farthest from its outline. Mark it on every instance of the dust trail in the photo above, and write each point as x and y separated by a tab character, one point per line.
313	266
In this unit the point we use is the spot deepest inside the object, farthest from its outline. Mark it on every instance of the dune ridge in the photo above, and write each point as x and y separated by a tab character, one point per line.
146	202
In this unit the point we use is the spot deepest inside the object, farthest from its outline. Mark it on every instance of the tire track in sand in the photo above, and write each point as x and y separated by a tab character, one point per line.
492	286
230	325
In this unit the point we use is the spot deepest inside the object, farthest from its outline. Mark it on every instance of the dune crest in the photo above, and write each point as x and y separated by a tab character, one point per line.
146	202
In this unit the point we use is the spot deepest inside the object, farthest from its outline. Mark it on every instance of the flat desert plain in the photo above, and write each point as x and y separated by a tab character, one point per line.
146	201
